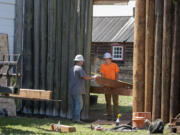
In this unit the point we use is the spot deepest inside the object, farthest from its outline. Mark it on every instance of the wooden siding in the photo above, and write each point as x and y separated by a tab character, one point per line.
54	31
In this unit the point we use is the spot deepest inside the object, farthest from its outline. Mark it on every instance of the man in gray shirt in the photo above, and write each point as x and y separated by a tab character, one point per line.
77	79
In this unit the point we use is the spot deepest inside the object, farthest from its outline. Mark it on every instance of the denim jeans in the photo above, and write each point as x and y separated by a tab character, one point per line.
77	104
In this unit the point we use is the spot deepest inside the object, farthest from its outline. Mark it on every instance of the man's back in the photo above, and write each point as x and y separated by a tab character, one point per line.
76	82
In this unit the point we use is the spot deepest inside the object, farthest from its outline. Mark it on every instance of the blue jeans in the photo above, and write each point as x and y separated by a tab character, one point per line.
77	104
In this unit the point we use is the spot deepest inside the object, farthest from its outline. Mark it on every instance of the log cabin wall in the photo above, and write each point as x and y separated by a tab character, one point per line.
49	34
126	66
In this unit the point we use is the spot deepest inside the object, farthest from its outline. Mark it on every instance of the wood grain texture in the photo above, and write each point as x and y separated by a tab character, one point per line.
167	59
149	54
33	94
139	57
175	73
156	109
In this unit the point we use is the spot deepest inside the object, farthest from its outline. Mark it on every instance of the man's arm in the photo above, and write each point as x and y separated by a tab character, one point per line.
86	77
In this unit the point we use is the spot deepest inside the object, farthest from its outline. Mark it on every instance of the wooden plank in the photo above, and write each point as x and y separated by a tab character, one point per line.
112	83
175	73
139	57
33	94
149	54
43	56
166	61
156	109
119	91
63	128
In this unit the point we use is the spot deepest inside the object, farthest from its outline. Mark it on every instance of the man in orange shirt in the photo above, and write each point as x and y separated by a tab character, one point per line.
110	70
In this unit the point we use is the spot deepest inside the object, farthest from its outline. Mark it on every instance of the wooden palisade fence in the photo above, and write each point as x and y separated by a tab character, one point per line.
161	93
54	31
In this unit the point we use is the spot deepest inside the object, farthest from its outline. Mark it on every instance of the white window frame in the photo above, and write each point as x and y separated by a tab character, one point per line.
114	52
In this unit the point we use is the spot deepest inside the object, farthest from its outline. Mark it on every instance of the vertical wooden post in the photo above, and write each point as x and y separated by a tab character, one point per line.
28	51
36	49
87	50
166	59
72	45
175	74
64	58
139	57
43	50
156	110
149	54
57	74
51	50
18	33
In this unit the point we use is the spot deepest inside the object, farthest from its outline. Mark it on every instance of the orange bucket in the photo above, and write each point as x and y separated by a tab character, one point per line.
139	119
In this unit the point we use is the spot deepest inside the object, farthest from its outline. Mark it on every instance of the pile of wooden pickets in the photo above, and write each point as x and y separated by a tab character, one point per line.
175	124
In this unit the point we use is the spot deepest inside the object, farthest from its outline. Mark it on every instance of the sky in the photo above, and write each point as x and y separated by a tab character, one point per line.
114	10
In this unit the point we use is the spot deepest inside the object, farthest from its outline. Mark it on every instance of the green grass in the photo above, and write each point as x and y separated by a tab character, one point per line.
41	126
125	103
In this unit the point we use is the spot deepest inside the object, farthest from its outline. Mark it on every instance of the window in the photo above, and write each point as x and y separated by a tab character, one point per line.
117	52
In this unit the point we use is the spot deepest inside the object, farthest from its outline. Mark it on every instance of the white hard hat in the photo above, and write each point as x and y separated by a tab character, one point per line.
107	55
79	57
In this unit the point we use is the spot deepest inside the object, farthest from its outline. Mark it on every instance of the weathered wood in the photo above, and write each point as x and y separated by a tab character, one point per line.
139	57
57	75
4	49
64	58
87	49
175	74
118	91
72	45
36	47
27	81
43	50
156	109
33	94
166	61
149	54
18	32
51	50
112	83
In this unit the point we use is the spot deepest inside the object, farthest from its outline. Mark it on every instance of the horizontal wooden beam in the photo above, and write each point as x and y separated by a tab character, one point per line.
103	90
110	2
33	94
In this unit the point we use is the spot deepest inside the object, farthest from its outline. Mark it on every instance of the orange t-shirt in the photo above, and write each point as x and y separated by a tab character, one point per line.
109	71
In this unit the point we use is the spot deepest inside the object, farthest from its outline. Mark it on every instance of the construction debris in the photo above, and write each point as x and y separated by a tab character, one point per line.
62	128
175	124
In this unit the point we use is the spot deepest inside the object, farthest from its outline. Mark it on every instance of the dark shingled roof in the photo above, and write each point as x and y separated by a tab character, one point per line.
113	29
